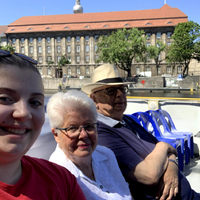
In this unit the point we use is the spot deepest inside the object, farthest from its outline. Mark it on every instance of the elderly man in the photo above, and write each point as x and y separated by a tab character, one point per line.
148	165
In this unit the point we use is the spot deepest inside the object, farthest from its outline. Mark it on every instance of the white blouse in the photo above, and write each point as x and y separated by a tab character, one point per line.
110	183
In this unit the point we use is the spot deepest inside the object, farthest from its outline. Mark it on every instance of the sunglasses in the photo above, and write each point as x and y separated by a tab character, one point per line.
113	90
4	53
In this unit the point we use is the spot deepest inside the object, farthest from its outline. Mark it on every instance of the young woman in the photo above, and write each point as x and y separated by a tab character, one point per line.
21	120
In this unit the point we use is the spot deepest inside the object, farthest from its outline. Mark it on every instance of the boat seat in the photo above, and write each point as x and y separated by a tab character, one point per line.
159	119
173	129
148	123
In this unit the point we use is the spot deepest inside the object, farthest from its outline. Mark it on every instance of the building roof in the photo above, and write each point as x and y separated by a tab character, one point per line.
165	16
3	29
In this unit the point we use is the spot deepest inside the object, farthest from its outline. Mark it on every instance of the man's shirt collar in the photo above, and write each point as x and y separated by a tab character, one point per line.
108	120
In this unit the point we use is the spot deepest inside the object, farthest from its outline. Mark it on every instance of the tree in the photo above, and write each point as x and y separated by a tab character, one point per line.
7	47
63	61
155	51
121	47
171	58
185	44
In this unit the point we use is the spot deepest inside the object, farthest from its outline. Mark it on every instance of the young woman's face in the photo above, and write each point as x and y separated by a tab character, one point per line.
21	111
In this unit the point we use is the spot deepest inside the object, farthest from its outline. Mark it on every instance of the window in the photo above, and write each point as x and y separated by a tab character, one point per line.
159	57
87	58
78	71
22	50
95	48
158	45
78	48
169	34
48	39
49	58
31	40
87	70
40	59
78	59
48	49
68	38
148	44
96	57
31	49
58	49
13	40
158	35
127	25
66	27
69	58
49	71
96	37
148	36
169	70
69	71
39	40
179	69
87	38
137	70
86	27
58	58
87	48
77	38
148	69
105	25
22	40
169	44
159	70
58	39
39	49
48	28
148	23
68	48
30	29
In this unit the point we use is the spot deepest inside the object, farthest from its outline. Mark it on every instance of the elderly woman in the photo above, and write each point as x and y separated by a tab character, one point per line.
73	118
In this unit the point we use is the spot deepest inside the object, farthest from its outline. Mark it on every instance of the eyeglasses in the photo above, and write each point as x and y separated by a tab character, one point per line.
74	131
113	90
4	53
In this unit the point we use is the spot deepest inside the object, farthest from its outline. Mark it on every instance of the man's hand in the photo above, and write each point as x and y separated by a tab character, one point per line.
168	185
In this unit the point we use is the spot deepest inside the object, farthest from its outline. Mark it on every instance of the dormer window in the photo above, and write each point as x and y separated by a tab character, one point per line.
86	27
30	29
12	29
105	25
66	27
148	23
48	28
127	25
169	22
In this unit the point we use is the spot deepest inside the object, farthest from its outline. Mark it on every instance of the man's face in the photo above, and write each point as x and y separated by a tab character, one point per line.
109	104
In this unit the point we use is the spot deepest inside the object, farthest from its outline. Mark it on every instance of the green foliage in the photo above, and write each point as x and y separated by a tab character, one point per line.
121	47
154	52
7	48
185	44
50	62
63	61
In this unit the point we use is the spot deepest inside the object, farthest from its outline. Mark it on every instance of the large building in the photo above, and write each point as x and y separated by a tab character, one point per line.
48	37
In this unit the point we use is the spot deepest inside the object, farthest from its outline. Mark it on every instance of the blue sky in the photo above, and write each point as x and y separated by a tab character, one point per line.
12	10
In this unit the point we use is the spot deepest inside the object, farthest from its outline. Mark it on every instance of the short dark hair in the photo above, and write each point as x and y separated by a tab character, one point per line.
16	60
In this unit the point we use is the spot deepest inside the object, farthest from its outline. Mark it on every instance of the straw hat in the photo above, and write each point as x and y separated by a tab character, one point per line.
103	75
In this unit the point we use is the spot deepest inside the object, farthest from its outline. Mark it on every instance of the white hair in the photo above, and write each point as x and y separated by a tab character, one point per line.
60	103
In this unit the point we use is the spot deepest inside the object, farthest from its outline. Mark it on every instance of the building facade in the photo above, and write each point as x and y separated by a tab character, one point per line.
47	38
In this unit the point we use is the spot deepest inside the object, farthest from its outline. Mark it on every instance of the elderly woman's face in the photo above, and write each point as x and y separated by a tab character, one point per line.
84	144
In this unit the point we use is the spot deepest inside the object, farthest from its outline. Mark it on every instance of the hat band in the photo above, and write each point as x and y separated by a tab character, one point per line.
111	80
